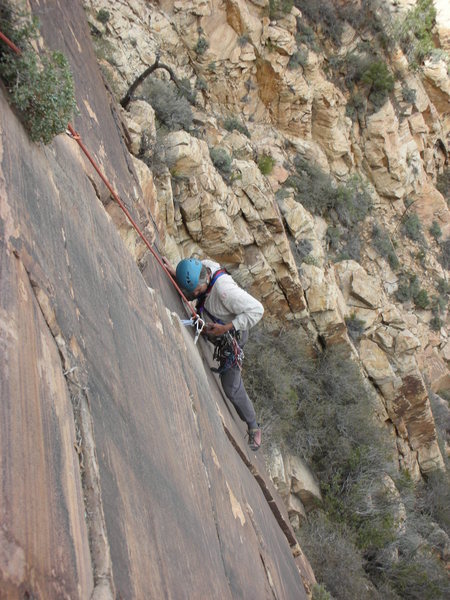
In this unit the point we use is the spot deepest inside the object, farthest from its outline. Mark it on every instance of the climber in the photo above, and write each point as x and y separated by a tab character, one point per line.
229	313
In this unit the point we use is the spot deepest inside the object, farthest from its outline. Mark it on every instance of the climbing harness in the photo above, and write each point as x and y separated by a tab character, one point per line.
228	353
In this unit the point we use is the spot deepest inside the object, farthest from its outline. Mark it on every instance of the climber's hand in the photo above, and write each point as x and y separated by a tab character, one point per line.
217	328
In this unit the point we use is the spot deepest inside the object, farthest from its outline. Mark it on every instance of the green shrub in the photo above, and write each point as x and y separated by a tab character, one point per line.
419	576
201	84
316	399
231	123
40	86
280	8
202	46
348	204
171	107
415	32
383	245
433	494
409	289
334	557
436	323
319	592
356	106
305	35
333	237
243	40
380	82
443	183
319	194
221	160
355	327
412	227
439	304
421	299
103	16
443	287
266	164
323	14
408	94
353	202
444	257
435	230
298	59
301	250
317	406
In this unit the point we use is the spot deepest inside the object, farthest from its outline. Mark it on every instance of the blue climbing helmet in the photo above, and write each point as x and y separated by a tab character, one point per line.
188	273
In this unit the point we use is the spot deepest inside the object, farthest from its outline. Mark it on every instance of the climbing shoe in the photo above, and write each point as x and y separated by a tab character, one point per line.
254	438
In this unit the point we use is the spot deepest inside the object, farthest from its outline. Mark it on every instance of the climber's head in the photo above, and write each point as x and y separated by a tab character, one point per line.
192	277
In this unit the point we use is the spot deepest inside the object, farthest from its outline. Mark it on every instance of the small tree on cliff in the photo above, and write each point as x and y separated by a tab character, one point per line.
40	86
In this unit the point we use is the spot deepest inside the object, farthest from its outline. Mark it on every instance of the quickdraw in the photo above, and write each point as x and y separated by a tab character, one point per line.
196	322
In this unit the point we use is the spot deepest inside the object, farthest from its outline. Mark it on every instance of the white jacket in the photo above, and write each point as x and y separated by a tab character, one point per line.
228	302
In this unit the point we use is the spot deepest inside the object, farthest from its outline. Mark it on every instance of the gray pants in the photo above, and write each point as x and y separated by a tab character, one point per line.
234	389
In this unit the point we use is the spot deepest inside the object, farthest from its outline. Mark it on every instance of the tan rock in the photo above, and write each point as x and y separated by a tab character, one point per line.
301	224
279	38
185	155
388	168
436	372
345	270
417	124
366	288
385	338
296	511
408	460
303	482
406	342
149	194
375	362
238	145
443	23
437	84
196	7
165	201
446	352
431	206
277	472
330	126
430	458
311	151
241	19
391	315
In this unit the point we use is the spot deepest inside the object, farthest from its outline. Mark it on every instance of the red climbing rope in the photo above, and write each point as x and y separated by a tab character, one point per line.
10	43
116	197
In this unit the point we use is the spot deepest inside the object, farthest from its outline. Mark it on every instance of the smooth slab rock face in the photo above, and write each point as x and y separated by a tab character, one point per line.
44	543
